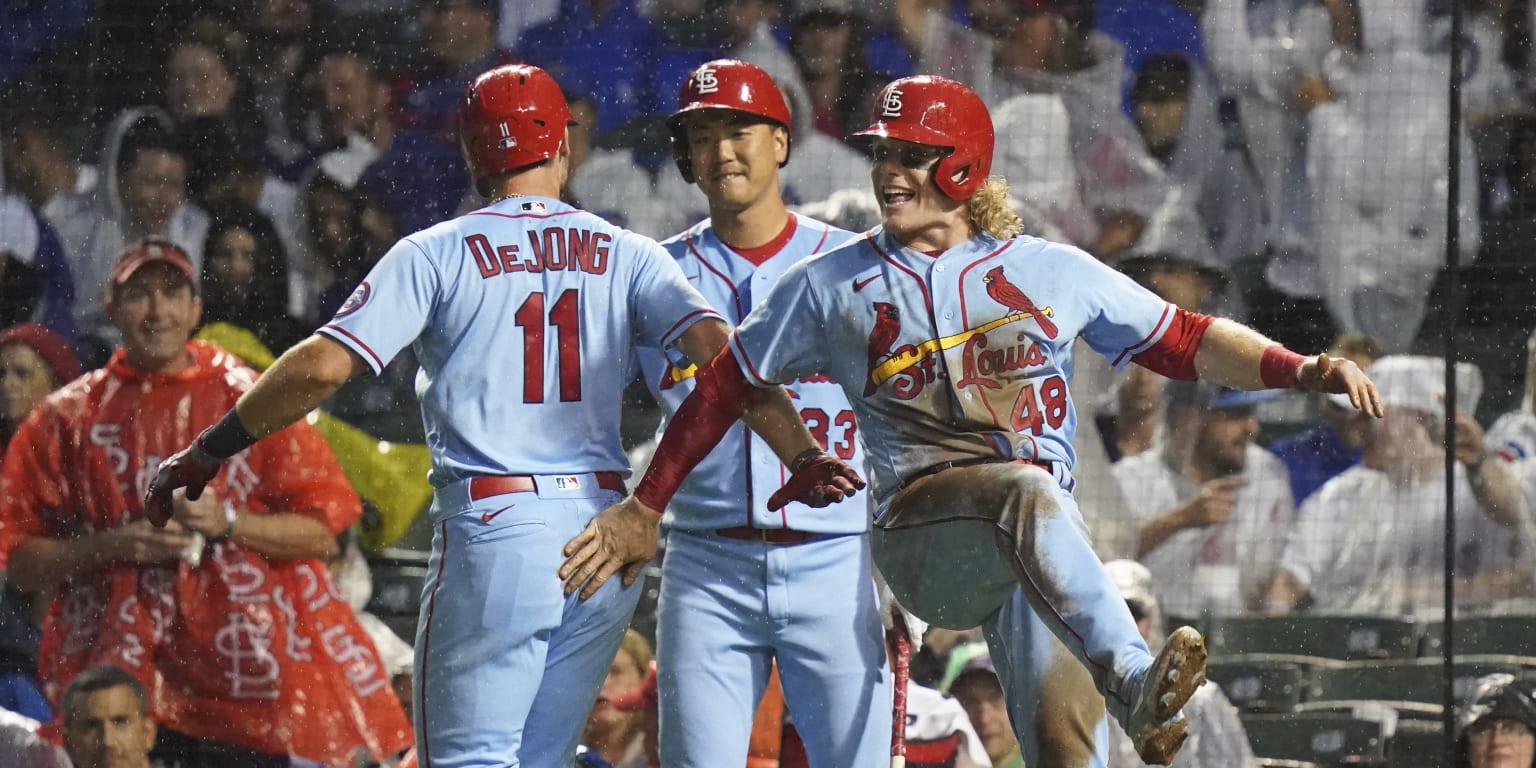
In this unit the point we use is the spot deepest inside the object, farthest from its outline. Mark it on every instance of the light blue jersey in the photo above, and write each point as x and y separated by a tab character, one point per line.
525	316
961	356
714	495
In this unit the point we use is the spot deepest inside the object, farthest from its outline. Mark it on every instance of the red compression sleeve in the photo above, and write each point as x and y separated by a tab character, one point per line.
1174	354
1280	368
719	396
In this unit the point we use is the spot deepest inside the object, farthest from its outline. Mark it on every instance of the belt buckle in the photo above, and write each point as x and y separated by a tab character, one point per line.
762	535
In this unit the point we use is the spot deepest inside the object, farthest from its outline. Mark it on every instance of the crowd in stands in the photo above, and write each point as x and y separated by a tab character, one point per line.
1283	162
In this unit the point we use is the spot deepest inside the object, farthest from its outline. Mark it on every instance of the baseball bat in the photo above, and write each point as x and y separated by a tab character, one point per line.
901	645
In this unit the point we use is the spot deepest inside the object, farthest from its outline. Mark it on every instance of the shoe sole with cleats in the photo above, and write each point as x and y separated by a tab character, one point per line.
1177	673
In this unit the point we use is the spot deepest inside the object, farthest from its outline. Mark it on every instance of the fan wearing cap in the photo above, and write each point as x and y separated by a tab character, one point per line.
1223	743
73	526
1497	726
1371	540
1213	506
953	336
34	361
721	625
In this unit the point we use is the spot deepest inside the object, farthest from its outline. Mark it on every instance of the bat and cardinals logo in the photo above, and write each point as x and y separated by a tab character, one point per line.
1009	295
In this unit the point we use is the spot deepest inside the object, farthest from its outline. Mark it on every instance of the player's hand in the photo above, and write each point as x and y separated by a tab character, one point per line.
190	468
817	480
1213	504
1469	440
146	544
1340	376
622	536
897	618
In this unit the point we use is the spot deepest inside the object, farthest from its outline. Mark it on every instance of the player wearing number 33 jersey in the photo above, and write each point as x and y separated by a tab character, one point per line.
743	585
952	336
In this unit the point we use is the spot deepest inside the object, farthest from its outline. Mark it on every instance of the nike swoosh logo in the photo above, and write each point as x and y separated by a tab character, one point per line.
489	516
858	285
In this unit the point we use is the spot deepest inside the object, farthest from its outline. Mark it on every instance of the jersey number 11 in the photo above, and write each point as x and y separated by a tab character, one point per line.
566	319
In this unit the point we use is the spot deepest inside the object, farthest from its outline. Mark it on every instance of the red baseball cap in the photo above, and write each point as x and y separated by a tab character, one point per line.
50	346
149	252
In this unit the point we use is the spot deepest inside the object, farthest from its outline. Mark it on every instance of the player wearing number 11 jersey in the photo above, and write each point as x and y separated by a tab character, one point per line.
744	585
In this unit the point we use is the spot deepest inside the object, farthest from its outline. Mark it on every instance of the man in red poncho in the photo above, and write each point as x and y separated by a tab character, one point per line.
227	615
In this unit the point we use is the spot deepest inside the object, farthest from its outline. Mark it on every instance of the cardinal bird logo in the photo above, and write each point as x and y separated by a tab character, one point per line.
887	328
1009	295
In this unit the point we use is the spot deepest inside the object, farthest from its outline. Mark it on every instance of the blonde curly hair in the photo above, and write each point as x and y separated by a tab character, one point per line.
989	210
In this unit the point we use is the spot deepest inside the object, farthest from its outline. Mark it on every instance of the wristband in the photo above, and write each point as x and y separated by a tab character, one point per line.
230	514
226	438
804	457
1280	368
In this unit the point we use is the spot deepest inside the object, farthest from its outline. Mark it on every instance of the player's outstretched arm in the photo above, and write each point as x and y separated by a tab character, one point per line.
1237	356
296	384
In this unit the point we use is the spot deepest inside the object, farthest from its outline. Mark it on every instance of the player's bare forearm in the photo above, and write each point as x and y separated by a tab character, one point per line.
1239	357
1229	355
303	378
704	339
773	417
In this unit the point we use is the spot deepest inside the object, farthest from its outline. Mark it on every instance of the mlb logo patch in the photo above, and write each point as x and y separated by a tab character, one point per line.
534	206
567	483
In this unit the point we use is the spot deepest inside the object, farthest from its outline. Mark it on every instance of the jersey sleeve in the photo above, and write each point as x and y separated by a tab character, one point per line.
1123	317
30	482
662	302
389	309
783	337
300	475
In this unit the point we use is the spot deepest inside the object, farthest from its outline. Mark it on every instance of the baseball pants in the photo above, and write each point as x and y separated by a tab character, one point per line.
729	608
507	666
989	545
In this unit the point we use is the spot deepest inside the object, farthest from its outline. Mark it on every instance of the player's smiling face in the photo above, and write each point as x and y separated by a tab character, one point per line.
911	206
735	156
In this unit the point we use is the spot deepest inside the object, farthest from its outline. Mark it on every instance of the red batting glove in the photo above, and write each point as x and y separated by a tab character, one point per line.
817	480
190	468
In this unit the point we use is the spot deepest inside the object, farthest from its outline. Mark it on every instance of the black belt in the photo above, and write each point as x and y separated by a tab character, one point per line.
1048	466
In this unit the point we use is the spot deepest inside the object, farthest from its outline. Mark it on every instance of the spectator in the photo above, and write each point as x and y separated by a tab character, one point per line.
609	182
1268	55
349	569
619	89
1050	47
227	615
34	361
828	40
619	734
24	748
1497	726
1213	506
458	41
1513	435
1317	455
224	169
1511	226
1496	46
142	194
977	689
278	35
1220	740
107	723
245	277
37	154
347	110
35	280
1371	542
1177	115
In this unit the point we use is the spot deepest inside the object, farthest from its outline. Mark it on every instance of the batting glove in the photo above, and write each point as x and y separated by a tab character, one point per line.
191	468
816	480
892	614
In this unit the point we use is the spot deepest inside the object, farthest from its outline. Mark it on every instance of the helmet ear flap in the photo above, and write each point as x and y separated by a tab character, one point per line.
680	153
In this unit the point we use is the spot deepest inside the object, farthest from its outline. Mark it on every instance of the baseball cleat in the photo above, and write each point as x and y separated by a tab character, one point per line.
1156	726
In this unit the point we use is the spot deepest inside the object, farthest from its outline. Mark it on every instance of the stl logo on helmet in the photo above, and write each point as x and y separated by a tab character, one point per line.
706	80
890	106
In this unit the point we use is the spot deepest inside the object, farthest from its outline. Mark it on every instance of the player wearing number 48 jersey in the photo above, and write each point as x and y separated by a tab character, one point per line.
952	336
526	316
744	585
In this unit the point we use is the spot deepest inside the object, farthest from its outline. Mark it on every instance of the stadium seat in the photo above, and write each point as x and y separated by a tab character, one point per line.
1483	634
1421	680
1321	737
1416	744
1264	682
398	576
1333	637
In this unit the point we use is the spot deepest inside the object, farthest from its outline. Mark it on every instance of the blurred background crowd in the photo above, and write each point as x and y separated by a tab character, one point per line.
1283	162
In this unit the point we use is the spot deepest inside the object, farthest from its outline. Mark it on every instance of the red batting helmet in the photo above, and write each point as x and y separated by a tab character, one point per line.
512	116
938	112
725	84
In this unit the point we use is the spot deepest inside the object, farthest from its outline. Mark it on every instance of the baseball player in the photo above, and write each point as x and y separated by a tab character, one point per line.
743	585
952	336
525	316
